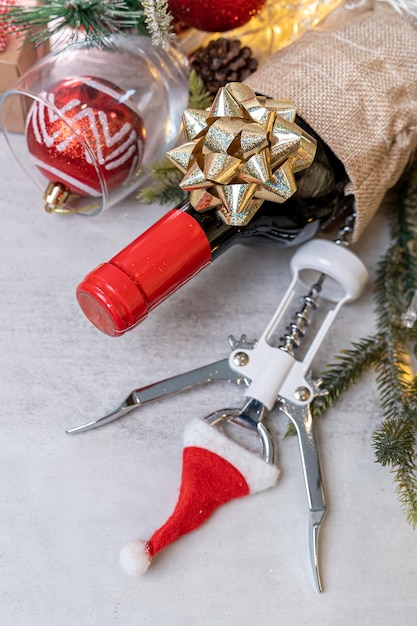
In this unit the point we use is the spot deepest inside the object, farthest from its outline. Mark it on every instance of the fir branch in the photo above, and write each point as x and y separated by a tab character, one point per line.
93	21
394	442
135	6
406	481
395	445
347	368
166	187
158	20
396	275
393	367
200	98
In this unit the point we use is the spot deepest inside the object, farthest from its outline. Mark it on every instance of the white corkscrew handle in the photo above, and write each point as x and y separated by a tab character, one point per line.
347	272
274	372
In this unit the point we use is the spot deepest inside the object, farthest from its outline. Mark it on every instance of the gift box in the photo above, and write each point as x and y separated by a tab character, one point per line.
18	57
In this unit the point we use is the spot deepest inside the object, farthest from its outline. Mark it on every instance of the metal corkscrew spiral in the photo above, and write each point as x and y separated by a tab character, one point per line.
296	330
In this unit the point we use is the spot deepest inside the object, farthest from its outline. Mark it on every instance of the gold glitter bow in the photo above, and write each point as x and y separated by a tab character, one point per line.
244	150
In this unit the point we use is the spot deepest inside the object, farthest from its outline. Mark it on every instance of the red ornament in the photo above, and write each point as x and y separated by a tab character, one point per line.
96	135
215	15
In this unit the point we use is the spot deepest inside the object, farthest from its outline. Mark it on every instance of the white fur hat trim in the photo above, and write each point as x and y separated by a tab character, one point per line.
258	474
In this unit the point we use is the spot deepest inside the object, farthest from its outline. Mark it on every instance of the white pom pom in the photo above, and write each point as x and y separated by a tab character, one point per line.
134	558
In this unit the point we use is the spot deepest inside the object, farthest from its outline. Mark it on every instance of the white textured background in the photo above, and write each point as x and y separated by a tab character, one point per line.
67	503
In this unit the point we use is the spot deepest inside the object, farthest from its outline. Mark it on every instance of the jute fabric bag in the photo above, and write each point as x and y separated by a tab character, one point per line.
354	81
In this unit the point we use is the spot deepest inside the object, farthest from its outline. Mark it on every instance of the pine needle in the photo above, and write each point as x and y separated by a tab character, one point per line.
92	21
200	98
395	446
346	369
394	442
165	187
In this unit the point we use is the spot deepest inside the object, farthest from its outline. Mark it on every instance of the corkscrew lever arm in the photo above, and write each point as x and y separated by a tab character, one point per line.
217	371
301	417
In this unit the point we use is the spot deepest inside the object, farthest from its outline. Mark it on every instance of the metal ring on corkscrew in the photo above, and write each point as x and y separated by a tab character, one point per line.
251	419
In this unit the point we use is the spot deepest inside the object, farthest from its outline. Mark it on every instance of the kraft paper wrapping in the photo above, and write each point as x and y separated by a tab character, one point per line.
354	81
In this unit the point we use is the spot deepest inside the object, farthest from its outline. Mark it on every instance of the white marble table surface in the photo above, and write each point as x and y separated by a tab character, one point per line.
67	503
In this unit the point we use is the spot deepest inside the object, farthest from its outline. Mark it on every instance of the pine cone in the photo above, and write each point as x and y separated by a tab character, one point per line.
223	61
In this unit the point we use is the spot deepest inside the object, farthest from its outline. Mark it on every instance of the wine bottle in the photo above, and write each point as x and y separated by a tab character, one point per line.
119	294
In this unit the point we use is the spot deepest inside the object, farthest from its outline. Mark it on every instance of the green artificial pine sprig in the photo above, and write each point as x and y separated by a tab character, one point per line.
200	98
391	353
395	441
93	21
347	369
165	187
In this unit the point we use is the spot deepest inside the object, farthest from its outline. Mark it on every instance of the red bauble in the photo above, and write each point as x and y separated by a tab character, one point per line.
215	15
91	113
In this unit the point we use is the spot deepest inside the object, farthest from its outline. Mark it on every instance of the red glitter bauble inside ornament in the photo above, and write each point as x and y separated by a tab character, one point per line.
215	15
82	130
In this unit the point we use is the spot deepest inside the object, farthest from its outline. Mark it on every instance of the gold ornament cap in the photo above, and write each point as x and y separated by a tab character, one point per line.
56	196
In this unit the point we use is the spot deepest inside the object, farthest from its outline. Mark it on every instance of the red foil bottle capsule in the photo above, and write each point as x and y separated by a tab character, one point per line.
119	294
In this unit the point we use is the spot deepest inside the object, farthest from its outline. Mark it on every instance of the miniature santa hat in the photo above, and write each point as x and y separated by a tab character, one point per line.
215	469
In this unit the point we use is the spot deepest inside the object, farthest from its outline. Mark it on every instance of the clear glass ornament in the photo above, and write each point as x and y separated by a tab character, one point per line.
143	81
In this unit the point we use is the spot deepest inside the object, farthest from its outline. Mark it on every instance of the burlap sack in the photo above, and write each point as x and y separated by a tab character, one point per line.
354	81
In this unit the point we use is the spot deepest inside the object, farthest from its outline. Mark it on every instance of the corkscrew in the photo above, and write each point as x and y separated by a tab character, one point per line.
272	376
